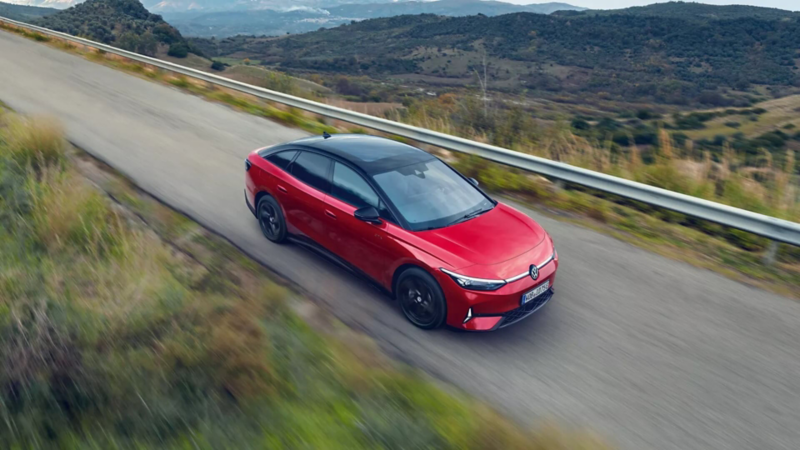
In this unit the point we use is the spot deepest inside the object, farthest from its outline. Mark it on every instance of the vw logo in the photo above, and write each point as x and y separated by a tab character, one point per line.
534	271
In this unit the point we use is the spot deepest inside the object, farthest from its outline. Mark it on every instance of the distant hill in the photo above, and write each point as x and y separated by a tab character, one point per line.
122	23
301	20
57	4
24	13
644	57
165	6
698	12
446	8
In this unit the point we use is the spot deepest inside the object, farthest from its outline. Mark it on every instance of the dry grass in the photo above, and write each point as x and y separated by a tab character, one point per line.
37	141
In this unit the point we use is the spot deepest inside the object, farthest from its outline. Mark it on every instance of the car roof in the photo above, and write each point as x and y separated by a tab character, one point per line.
372	154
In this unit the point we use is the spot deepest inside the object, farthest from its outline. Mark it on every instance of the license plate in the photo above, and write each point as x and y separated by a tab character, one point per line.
539	290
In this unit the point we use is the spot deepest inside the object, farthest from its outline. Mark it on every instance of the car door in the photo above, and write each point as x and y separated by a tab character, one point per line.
311	172
367	246
276	179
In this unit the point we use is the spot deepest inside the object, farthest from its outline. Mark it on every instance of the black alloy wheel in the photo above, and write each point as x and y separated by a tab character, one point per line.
421	299
271	220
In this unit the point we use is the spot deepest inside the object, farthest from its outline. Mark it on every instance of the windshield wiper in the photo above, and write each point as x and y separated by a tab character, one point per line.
468	216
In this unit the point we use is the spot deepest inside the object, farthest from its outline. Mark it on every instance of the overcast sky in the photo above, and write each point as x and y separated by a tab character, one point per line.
793	5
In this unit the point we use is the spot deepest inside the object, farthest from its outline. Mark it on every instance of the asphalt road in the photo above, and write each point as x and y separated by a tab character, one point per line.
653	353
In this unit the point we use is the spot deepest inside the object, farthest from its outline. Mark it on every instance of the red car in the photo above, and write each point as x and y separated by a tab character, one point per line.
423	232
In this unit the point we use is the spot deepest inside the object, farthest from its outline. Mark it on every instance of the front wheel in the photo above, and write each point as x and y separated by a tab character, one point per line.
270	218
421	299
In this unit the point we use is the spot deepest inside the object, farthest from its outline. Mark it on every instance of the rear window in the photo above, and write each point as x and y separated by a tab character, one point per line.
312	169
282	159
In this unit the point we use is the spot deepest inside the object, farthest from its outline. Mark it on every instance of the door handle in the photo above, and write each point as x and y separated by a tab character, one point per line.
282	189
330	214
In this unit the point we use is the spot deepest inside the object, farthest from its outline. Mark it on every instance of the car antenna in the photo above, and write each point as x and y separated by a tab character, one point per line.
325	135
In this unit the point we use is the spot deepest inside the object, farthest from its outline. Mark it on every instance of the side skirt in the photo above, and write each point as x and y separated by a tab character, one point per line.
313	246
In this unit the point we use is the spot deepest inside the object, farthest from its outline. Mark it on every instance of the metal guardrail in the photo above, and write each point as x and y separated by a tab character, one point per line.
770	227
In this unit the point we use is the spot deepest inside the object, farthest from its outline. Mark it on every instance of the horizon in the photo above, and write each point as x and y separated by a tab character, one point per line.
787	5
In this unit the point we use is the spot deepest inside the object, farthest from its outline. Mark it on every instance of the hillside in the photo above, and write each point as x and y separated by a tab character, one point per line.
697	12
24	13
122	23
302	20
652	58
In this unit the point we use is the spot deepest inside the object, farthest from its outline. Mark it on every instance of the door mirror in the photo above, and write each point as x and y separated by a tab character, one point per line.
368	214
474	181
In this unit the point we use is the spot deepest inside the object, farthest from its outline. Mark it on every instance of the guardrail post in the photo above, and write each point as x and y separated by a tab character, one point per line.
772	253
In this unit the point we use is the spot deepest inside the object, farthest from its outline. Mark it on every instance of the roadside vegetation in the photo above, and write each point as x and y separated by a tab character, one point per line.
748	176
124	325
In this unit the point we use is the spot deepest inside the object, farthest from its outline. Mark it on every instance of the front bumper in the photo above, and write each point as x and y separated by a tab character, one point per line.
515	315
492	310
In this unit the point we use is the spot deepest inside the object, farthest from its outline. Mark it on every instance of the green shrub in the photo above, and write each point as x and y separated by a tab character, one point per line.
180	82
178	50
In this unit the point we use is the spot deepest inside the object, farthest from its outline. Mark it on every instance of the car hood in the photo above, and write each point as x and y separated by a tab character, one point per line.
491	238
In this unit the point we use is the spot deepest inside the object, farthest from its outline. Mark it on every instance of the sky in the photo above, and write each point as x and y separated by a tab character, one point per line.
792	5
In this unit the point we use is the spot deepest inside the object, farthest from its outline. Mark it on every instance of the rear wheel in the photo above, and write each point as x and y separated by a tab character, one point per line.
271	220
421	299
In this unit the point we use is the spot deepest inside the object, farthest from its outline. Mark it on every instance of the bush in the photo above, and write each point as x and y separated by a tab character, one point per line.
216	65
178	50
646	114
580	124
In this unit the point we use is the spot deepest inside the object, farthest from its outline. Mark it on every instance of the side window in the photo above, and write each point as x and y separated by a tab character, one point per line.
349	187
282	159
312	169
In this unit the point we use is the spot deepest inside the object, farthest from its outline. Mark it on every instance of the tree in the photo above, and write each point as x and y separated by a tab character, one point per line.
148	44
128	41
178	50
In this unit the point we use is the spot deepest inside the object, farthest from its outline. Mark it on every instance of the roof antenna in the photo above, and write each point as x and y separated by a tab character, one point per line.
325	135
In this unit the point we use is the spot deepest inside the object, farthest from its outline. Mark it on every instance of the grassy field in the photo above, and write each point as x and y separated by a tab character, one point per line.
125	325
781	112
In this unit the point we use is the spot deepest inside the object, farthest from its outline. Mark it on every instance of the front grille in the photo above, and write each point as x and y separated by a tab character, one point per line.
515	315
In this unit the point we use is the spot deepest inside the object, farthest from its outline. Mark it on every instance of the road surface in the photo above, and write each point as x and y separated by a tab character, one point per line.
653	353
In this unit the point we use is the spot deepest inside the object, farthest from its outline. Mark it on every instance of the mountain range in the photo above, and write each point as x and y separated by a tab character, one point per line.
222	18
636	56
696	12
670	53
272	22
24	13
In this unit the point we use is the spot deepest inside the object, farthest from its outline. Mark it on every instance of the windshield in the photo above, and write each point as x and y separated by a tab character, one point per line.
431	195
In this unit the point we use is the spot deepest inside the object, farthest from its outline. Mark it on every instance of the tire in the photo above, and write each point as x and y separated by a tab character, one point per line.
421	299
271	220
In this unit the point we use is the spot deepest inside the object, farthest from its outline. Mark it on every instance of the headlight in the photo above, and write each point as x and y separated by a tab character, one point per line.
475	284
